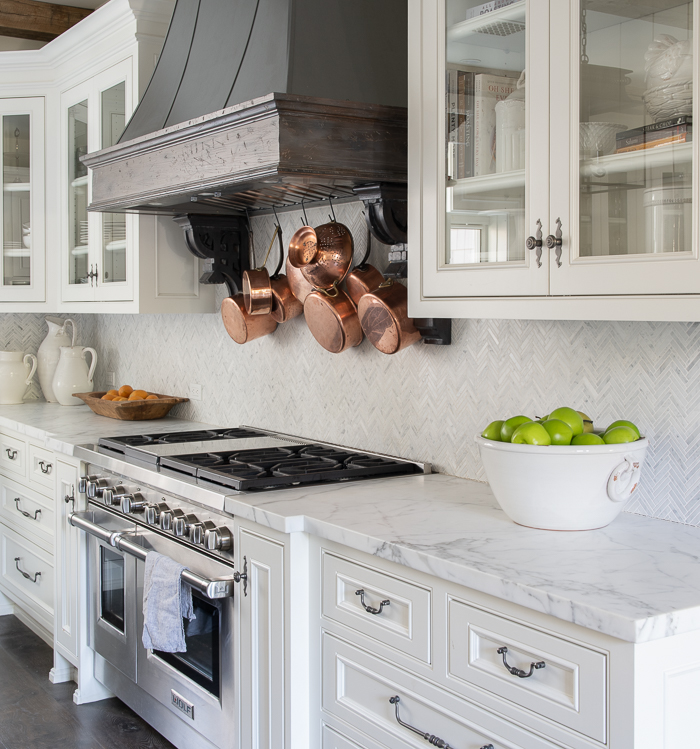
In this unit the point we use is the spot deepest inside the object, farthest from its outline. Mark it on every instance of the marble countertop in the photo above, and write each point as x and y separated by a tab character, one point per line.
638	579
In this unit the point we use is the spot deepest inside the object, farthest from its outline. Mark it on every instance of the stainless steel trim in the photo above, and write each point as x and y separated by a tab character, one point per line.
210	588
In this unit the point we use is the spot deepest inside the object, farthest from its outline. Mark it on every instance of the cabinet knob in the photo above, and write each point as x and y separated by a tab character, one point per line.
535	242
554	242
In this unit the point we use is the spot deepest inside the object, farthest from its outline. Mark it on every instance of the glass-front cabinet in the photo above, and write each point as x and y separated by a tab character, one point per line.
98	246
551	159
22	225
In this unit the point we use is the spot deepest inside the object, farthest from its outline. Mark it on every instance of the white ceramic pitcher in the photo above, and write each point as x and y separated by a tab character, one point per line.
49	353
16	372
72	374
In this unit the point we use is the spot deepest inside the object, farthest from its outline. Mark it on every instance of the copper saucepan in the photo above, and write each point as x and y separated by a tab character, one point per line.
241	326
332	319
384	318
285	305
363	277
257	288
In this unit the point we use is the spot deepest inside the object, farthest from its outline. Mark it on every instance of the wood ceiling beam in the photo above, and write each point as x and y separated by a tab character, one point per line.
29	19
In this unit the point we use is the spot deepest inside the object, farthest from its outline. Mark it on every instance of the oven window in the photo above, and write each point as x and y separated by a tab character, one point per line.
112	587
201	661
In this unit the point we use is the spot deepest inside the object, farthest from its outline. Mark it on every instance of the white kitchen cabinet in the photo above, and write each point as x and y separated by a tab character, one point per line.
490	164
261	607
22	212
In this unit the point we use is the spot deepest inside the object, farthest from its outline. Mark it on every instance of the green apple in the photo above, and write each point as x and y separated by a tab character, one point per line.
619	435
510	425
569	416
493	431
531	433
559	431
623	423
587	422
587	438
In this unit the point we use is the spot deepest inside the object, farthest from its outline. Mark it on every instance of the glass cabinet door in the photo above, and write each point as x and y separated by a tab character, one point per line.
78	235
22	199
487	91
631	150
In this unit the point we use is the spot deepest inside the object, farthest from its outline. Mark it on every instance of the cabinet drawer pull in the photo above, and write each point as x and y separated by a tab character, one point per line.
517	671
24	512
26	574
429	737
370	609
11	454
45	467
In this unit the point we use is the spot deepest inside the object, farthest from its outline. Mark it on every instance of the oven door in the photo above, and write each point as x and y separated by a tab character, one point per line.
198	685
113	615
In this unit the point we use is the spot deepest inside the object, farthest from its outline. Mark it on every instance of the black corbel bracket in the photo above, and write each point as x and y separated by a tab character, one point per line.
222	242
437	331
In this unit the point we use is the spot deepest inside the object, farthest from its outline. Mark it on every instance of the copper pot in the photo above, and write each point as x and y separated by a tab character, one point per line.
384	318
285	305
361	280
333	320
331	262
300	287
241	326
303	247
257	292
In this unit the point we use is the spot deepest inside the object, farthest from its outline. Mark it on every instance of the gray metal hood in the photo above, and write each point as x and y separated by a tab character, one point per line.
256	103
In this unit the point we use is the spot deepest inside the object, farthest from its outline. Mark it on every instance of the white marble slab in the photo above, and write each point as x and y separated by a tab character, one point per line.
638	579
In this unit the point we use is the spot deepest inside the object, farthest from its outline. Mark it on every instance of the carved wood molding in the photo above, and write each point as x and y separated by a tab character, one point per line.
42	22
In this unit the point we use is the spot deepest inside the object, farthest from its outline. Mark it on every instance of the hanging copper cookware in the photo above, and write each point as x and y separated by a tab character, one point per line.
285	305
257	288
363	278
332	319
240	325
383	315
331	262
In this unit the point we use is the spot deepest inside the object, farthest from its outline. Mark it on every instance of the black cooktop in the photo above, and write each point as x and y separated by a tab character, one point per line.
277	467
122	444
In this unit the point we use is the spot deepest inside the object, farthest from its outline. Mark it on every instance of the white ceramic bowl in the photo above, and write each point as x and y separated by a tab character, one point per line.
562	488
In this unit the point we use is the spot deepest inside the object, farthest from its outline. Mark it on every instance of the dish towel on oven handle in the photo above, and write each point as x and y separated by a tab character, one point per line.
166	602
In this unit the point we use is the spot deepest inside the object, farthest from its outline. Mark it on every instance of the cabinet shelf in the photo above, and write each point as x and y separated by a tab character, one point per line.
514	14
17	187
488	182
618	163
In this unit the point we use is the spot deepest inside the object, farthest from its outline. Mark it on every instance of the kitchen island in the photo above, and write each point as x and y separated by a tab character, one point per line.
627	596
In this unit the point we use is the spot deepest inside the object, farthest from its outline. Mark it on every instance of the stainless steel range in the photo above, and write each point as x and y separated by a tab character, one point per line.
165	492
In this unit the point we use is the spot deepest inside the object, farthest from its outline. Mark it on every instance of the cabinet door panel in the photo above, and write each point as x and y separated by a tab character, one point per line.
67	563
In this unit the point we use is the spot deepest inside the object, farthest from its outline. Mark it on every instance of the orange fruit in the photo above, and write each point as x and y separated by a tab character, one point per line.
137	395
151	397
119	398
108	397
125	391
112	392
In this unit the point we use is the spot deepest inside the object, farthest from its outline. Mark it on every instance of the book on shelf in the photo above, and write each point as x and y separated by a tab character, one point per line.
488	91
655	127
460	123
644	145
480	10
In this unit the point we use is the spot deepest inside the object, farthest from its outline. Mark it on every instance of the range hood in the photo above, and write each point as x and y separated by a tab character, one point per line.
261	103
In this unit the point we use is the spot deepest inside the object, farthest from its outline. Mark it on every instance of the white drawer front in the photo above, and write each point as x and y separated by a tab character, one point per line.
403	623
357	688
331	739
21	555
42	468
570	689
30	512
13	455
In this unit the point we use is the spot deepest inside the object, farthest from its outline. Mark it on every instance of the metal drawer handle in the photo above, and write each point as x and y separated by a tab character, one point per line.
24	512
11	454
45	467
429	737
370	609
518	671
26	574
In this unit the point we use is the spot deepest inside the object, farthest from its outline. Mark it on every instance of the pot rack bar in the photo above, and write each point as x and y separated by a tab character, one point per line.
210	588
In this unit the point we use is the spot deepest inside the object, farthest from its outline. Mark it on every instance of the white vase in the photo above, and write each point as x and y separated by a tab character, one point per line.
49	353
16	372
72	374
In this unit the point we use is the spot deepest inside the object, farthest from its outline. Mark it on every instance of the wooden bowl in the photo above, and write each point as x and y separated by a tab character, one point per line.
136	410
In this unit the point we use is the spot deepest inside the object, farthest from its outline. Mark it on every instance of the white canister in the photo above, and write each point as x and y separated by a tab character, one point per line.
16	372
50	351
510	130
72	374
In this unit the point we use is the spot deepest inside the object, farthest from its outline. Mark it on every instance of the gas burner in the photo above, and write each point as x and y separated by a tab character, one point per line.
305	467
201	436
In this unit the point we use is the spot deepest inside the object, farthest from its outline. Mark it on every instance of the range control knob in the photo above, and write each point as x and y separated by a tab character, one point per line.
153	512
135	502
96	487
182	524
218	539
198	531
84	481
112	494
167	518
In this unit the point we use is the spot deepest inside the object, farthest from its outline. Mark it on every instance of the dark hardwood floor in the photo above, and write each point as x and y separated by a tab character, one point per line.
36	714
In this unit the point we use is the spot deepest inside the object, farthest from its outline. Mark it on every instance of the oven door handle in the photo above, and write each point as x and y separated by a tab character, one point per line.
222	588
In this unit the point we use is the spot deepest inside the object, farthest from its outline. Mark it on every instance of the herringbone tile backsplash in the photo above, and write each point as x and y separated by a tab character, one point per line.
426	402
